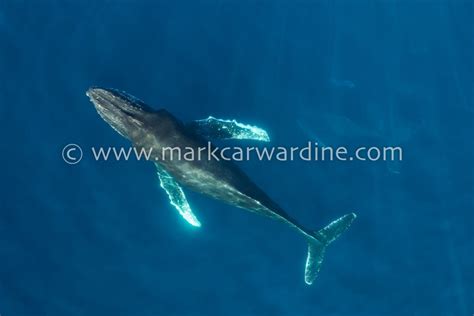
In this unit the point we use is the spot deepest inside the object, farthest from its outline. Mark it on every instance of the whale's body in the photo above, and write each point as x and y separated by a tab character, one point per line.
220	179
217	178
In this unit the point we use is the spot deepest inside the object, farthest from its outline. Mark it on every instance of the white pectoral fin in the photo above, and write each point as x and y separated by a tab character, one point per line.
215	128
176	196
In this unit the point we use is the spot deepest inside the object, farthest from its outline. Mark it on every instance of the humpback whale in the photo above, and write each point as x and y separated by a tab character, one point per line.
223	180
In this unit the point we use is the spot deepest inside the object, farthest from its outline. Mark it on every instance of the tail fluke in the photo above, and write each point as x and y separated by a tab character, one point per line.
317	246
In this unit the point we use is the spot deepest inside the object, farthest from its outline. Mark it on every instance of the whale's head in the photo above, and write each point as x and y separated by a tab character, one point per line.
124	113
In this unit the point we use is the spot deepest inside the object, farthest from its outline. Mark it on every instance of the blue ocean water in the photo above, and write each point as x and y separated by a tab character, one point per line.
100	238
